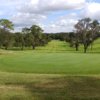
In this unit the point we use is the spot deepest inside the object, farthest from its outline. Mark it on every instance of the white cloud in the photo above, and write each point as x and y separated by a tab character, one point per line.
63	23
26	20
1	13
35	11
92	10
24	13
40	6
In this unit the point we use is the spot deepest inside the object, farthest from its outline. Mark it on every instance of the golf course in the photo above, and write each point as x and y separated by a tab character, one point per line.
51	72
49	49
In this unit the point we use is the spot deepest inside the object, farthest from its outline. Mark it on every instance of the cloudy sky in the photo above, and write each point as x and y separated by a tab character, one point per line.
51	15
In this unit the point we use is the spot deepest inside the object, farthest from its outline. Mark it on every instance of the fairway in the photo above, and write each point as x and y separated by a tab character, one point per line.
53	72
50	50
55	62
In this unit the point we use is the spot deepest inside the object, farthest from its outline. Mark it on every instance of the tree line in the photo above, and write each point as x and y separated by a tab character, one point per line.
85	33
29	37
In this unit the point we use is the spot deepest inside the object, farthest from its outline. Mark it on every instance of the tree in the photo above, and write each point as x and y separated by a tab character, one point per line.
36	31
71	39
83	28
44	39
6	24
34	36
25	30
6	37
29	39
76	43
19	40
95	27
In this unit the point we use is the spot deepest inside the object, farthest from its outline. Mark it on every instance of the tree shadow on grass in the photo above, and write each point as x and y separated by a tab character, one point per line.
54	88
67	88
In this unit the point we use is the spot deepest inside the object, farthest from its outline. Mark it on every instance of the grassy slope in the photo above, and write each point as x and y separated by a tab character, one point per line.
22	86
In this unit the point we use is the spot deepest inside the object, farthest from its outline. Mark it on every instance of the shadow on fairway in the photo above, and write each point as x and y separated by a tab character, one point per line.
67	88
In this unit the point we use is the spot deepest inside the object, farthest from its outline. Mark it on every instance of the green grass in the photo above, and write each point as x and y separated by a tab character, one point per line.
56	58
96	46
53	72
55	46
51	63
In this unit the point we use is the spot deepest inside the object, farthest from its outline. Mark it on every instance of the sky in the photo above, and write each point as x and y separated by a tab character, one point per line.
51	15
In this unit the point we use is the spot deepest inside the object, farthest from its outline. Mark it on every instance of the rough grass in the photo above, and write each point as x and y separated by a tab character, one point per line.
53	72
14	86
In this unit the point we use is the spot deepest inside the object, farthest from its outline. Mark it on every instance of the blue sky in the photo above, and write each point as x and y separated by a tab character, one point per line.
51	15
